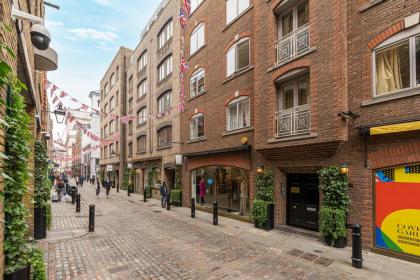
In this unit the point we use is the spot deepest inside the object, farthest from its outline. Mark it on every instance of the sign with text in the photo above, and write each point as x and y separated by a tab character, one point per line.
178	159
109	167
398	209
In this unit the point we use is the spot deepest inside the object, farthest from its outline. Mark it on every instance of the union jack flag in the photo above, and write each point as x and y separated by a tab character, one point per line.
184	66
187	7
84	107
63	94
54	88
183	18
74	99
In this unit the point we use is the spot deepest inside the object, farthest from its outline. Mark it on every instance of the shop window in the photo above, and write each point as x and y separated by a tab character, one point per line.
165	137
397	63
238	113
197	127
197	82
237	57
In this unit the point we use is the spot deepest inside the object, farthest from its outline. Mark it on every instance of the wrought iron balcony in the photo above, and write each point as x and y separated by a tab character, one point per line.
293	122
293	45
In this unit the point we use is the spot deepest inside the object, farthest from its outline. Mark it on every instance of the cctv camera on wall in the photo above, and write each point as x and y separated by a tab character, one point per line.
40	37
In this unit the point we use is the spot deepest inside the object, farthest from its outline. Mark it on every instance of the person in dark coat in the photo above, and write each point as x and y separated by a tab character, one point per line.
163	193
107	186
81	180
202	186
98	186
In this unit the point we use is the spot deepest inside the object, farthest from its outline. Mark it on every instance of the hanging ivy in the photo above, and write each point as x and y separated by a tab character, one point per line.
42	182
264	196
150	179
176	193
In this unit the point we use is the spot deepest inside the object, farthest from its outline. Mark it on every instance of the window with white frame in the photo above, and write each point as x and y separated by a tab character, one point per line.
106	89
195	4
106	130
165	68
111	104
235	8
112	79
142	61
142	116
294	94
111	150
165	34
238	113
197	38
111	127
165	102
142	88
165	137
293	19
237	57
397	63
197	82
197	127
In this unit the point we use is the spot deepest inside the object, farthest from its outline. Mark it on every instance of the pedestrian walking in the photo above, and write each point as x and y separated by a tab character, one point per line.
81	180
77	180
93	180
66	184
202	194
98	187
163	194
59	187
107	185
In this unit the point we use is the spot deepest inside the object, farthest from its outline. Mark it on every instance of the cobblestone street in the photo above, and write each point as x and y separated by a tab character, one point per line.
137	240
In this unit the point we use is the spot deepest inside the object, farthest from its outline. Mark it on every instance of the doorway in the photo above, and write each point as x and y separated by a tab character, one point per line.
303	201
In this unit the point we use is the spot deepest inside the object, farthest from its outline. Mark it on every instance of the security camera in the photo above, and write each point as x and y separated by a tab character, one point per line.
47	136
40	37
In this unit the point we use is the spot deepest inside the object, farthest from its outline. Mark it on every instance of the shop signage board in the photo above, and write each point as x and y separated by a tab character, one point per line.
397	223
109	167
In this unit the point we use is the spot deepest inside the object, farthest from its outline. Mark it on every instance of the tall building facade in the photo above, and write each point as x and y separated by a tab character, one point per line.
113	105
153	136
91	152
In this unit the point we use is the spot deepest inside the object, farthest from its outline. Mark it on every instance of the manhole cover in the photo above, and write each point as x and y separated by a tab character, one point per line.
296	253
157	211
324	261
309	257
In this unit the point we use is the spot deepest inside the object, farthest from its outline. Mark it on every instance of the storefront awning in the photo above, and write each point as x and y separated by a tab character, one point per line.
393	128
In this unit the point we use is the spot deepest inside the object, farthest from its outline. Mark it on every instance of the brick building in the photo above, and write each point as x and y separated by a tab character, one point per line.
153	137
218	123
113	103
30	66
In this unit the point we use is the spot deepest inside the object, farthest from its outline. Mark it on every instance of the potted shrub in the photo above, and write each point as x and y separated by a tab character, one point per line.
176	193
334	209
263	205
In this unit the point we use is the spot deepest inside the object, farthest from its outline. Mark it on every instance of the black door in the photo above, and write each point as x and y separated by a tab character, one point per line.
303	200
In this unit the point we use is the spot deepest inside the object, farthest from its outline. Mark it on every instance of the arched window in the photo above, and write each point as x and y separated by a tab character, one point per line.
142	116
197	82
165	137
237	57
197	126
197	38
238	113
396	63
165	102
142	89
165	68
165	34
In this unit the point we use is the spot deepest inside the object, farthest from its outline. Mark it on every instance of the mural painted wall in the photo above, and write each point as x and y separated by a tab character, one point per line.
398	209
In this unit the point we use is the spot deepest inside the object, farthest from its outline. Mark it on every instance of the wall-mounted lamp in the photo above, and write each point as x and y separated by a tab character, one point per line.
346	115
344	168
244	140
260	169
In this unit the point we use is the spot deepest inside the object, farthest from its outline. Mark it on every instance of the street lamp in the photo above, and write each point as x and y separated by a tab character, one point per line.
344	168
60	113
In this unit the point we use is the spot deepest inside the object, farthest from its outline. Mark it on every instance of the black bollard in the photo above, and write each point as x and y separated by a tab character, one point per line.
192	208
78	203
73	196
357	258
128	191
145	195
215	214
118	187
168	201
92	218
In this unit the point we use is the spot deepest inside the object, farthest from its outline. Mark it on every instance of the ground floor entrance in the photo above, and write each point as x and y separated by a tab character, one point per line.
302	201
229	186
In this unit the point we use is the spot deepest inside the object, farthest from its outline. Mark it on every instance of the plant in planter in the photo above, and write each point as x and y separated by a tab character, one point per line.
150	179
263	205
38	271
335	203
16	175
176	193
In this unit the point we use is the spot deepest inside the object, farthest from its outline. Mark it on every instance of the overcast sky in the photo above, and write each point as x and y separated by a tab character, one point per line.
87	34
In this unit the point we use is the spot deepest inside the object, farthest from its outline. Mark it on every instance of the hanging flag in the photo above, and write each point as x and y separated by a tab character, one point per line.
184	66
55	99
187	7
74	99
182	18
84	107
54	88
63	94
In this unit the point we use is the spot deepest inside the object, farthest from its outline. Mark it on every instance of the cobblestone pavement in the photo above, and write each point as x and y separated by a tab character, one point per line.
134	240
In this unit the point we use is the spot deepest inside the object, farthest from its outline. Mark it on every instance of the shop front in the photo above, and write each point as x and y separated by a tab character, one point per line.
228	186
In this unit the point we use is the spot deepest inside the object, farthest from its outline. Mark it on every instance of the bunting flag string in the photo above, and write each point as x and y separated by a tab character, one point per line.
184	13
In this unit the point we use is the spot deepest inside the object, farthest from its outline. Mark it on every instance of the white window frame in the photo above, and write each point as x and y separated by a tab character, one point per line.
142	116
410	35
165	68
142	61
236	102
237	13
111	103
195	36
195	76
294	10
195	4
194	121
165	34
111	127
294	83
106	89
234	48
167	96
112	79
142	88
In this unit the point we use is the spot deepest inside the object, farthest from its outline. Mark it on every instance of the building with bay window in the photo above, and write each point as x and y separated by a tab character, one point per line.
153	137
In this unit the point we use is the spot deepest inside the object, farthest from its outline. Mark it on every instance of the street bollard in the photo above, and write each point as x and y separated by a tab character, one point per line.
145	195
168	201
92	218
73	196
215	214
192	208
118	187
78	203
357	259
128	191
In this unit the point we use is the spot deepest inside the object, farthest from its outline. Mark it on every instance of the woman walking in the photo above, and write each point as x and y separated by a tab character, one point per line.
202	186
98	187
